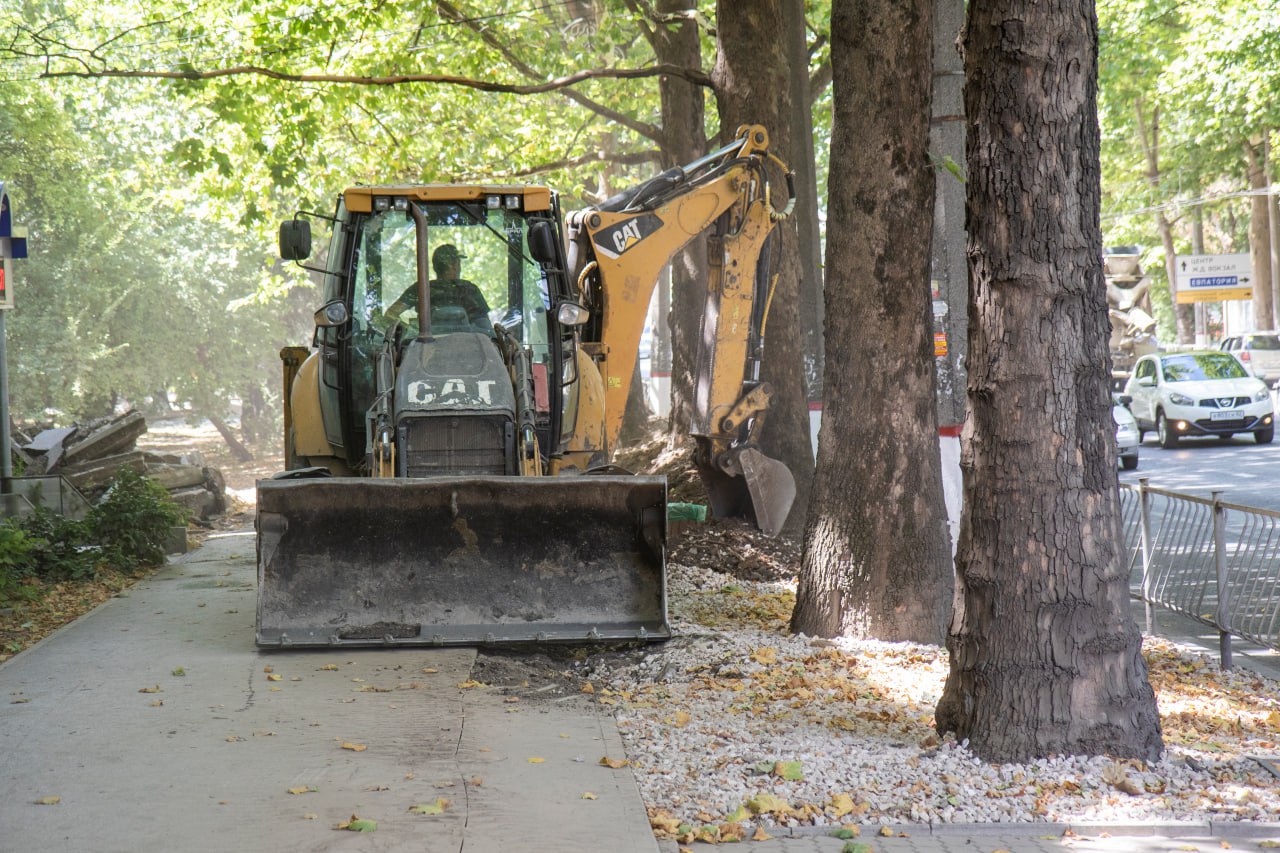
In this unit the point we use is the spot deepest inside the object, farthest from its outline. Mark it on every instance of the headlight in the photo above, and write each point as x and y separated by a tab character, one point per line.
1259	396
1181	399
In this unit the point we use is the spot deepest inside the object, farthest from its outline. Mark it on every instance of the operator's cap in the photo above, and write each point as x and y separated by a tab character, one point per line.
446	255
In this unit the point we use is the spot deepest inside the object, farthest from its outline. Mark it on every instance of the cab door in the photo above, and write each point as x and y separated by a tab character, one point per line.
1143	389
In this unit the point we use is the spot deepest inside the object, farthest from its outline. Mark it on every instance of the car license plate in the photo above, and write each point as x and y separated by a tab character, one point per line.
1229	415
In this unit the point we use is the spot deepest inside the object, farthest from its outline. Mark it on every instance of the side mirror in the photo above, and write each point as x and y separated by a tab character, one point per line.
542	241
571	314
295	239
332	314
1125	400
1147	381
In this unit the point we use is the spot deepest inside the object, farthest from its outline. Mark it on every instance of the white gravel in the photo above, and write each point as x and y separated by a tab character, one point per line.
707	716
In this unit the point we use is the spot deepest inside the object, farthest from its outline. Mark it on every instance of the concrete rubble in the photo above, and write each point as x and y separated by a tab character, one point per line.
90	455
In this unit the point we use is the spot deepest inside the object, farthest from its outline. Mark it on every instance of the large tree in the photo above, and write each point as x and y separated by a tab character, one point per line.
1045	658
752	85
877	558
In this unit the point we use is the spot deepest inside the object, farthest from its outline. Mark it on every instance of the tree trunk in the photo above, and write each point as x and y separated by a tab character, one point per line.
1149	137
803	161
1260	236
239	452
685	140
751	77
1045	658
635	417
877	558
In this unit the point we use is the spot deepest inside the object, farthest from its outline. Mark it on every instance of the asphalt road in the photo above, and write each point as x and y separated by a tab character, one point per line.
1244	471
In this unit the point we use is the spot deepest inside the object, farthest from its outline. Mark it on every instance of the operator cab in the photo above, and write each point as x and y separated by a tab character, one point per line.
491	272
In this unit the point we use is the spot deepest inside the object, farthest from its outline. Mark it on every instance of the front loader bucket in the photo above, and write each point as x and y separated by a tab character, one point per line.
461	561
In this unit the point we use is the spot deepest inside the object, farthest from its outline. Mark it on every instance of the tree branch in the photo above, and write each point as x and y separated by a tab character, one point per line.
649	131
819	82
696	77
631	159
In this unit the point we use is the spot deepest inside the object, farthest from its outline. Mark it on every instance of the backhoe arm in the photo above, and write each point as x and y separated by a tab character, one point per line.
618	252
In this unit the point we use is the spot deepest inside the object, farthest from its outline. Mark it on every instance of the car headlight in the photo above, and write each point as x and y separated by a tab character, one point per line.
1259	396
1181	399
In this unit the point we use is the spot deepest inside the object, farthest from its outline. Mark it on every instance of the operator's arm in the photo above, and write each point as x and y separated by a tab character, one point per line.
403	303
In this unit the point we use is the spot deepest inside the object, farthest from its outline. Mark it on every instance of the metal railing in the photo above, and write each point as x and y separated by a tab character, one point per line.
1215	562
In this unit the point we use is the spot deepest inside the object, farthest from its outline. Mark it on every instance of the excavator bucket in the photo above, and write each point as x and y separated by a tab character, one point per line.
749	484
461	561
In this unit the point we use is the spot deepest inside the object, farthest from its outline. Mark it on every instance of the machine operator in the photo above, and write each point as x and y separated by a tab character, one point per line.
448	288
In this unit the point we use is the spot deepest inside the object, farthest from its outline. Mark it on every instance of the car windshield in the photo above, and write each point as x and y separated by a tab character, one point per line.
1264	342
1201	366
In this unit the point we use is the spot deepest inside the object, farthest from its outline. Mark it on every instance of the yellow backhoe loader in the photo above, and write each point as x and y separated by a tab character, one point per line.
448	436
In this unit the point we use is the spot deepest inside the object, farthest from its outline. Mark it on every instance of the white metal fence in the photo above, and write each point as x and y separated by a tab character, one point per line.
1216	562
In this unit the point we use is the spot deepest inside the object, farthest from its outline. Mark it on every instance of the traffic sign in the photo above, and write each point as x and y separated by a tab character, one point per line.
1213	278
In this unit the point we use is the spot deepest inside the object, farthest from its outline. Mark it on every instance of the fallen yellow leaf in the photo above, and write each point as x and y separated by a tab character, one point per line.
682	719
329	667
885	832
765	655
536	760
587	795
157	703
769	804
354	747
760	835
430	670
48	801
310	816
468	684
274	677
304	789
841	805
155	689
588	688
234	739
614	763
434	808
268	668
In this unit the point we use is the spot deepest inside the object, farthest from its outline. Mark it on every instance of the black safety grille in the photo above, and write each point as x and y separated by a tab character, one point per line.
1225	426
1224	402
455	444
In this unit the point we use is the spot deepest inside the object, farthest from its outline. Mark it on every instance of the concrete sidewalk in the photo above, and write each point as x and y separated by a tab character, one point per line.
155	721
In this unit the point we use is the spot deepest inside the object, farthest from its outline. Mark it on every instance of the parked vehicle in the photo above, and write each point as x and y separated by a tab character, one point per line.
1259	352
1205	392
1127	436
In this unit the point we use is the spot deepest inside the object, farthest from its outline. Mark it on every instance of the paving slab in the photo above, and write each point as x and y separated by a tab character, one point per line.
159	725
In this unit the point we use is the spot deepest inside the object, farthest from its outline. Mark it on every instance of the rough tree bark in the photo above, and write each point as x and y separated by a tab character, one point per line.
684	140
752	87
1260	235
1149	137
1045	658
803	161
877	558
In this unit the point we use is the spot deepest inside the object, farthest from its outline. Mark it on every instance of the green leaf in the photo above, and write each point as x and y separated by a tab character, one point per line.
434	808
856	847
362	825
792	771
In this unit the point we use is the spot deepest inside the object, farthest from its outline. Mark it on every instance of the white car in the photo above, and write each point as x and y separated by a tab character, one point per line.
1259	352
1206	392
1127	436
